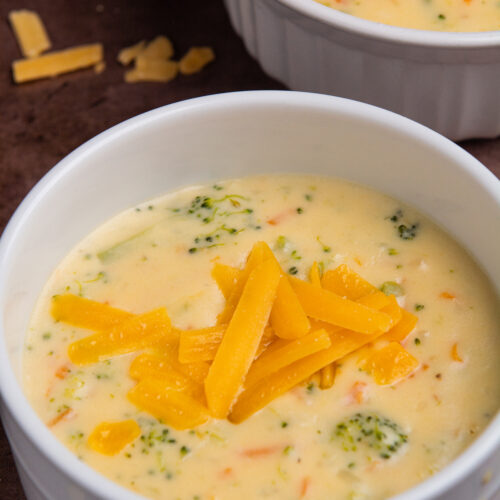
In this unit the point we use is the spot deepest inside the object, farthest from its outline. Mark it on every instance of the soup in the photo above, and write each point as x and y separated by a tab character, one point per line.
356	429
437	15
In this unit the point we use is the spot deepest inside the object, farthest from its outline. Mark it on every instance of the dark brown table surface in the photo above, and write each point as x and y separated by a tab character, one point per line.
42	122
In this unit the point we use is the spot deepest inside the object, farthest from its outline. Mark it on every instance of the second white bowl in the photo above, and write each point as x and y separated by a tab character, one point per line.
447	81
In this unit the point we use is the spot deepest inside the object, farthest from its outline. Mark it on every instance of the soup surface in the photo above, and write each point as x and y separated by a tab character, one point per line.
308	443
436	15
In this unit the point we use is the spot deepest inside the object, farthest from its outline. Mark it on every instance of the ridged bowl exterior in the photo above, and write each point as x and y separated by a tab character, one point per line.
453	89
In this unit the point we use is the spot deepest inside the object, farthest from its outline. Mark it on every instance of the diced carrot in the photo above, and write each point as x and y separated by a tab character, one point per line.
61	416
227	472
454	354
304	486
357	393
447	295
63	371
265	451
278	218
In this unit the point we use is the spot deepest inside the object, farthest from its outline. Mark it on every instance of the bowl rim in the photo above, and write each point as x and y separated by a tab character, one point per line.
394	34
11	393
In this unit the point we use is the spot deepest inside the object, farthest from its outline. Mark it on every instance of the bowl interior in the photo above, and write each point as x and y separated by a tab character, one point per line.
232	136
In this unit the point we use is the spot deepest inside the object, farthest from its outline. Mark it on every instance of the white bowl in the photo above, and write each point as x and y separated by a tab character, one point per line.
221	136
447	81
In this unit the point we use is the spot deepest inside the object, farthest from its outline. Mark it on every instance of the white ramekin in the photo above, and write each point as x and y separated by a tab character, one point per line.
447	81
205	139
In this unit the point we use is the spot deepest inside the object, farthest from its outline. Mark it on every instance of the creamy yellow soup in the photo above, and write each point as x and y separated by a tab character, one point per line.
437	15
308	443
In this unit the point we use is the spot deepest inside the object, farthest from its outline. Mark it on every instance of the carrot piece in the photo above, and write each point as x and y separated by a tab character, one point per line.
326	306
454	354
304	486
261	452
173	407
278	218
63	371
357	393
273	360
137	332
288	319
225	473
447	295
391	364
254	398
200	345
254	259
327	374
160	368
315	275
128	54
86	313
109	438
402	328
61	416
241	340
347	283
226	278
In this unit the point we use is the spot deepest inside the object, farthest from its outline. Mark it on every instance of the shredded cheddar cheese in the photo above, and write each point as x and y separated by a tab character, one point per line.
30	32
57	62
255	353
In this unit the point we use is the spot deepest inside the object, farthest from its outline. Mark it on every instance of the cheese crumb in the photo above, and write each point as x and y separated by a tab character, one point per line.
196	59
128	54
55	63
30	32
152	70
159	48
99	67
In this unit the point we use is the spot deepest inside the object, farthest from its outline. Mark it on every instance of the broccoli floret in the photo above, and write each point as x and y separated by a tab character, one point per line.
371	433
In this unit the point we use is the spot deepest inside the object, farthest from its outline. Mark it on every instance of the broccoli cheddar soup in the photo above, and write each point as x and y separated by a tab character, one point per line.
287	337
437	15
